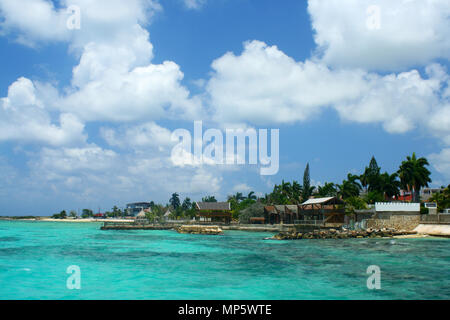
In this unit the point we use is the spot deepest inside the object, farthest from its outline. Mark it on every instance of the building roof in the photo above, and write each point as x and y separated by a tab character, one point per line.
225	206
270	209
320	201
141	214
292	208
168	213
139	204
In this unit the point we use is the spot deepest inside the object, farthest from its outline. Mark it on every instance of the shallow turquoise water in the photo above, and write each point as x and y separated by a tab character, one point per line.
34	257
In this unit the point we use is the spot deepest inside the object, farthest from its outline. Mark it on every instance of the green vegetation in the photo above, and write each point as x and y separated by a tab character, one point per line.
61	215
87	213
414	175
369	187
442	199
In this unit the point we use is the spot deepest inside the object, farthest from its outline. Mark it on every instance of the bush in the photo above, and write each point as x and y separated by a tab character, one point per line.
374	196
424	210
255	210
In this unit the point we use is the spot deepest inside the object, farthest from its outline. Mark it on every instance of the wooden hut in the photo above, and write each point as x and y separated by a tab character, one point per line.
322	210
214	211
141	218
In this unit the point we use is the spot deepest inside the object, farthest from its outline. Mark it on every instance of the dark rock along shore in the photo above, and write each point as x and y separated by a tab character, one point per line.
341	234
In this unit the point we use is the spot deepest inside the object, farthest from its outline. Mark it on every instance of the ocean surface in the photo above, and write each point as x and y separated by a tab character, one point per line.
34	257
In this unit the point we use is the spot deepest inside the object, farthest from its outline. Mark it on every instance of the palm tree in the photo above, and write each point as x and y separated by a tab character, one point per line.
209	199
350	187
297	190
175	200
414	175
251	195
328	190
364	178
390	185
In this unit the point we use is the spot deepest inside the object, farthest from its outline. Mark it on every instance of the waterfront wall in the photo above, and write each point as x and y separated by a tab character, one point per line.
396	221
435	219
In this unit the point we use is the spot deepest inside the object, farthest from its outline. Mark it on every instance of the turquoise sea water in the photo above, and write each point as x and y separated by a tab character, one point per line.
34	257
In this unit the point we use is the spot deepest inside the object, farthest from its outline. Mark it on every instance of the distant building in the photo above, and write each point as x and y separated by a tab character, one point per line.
133	209
167	214
141	218
319	210
427	193
404	196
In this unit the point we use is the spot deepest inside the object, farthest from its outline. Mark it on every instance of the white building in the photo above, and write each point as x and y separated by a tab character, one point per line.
397	207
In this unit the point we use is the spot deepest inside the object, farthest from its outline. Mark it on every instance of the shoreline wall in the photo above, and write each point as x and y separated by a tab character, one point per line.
396	221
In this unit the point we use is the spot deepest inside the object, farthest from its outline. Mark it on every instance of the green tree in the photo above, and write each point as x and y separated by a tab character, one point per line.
296	192
307	189
390	185
116	212
327	190
442	199
87	213
350	187
152	217
414	175
73	213
374	196
254	210
251	195
370	179
209	199
187	204
175	201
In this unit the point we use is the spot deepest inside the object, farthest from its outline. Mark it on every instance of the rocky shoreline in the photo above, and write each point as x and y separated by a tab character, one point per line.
342	234
193	229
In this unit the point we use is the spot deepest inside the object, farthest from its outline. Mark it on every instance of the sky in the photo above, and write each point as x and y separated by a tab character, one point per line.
90	97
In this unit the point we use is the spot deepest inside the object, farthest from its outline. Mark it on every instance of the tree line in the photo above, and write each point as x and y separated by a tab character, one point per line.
371	186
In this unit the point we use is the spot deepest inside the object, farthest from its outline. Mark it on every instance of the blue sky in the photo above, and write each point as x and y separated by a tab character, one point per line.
86	115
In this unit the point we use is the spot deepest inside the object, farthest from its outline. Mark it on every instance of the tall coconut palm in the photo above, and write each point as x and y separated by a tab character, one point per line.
251	196
390	184
414	175
364	178
327	190
297	190
350	187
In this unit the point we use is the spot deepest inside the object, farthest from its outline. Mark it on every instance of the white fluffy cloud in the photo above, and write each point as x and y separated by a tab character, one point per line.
24	117
140	136
410	33
265	86
441	162
115	79
40	21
